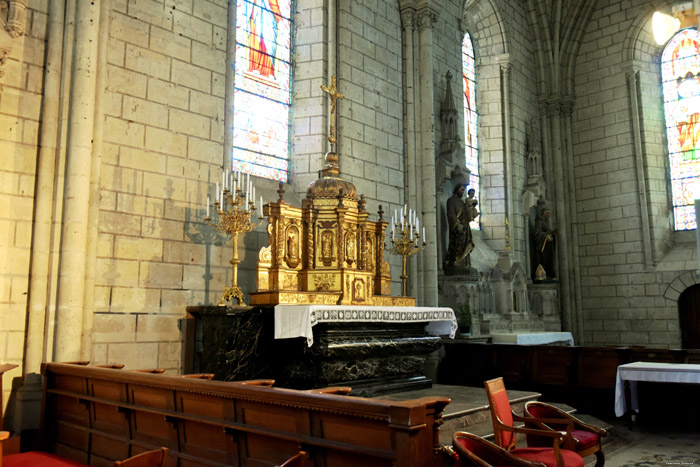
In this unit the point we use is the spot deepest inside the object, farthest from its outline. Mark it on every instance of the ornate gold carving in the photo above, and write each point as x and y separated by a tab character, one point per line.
292	256
323	282
291	282
350	248
358	290
327	247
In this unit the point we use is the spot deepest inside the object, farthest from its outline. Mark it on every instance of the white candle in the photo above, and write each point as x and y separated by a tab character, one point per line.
245	206
221	200
423	234
261	207
233	190
217	191
392	231
404	207
252	197
223	179
396	216
247	180
207	206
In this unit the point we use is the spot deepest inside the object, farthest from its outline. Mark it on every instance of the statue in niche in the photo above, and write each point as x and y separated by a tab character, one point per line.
459	215
293	247
545	242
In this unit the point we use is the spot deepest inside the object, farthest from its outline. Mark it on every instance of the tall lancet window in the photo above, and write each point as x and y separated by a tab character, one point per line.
262	88
680	72
470	116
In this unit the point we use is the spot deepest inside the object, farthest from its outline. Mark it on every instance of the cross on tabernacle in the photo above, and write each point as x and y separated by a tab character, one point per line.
334	95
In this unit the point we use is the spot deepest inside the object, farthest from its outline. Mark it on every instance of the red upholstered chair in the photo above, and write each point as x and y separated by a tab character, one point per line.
298	460
585	439
146	459
504	431
478	452
38	459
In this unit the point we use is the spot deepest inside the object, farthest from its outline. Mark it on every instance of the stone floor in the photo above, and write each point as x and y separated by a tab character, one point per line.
651	444
658	440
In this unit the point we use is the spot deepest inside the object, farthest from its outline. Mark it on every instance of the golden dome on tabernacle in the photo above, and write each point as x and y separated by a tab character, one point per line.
330	185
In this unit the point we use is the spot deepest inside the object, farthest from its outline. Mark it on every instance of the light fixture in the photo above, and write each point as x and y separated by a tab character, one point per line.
664	26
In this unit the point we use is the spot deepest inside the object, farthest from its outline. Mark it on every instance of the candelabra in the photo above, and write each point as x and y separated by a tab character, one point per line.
407	242
235	207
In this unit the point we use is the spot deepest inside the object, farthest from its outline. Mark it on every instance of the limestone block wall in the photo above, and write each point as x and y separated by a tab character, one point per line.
624	276
21	79
370	119
163	150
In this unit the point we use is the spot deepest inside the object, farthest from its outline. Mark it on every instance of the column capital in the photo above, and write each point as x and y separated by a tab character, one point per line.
426	18
567	105
408	18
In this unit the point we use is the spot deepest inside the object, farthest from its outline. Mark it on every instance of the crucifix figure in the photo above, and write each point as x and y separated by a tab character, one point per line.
333	93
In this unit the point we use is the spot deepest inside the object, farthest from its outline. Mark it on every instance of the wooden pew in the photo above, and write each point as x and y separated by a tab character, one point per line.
98	415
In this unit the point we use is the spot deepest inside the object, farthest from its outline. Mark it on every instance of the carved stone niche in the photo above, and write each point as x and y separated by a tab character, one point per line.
12	19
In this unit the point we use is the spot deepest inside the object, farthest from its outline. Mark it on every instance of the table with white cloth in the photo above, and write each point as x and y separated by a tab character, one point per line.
299	320
650	372
533	338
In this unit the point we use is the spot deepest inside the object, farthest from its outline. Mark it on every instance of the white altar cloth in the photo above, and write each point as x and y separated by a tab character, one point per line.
298	320
650	371
533	338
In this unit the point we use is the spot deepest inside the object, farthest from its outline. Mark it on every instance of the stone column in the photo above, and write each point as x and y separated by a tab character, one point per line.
560	210
577	306
504	63
408	18
632	75
94	210
71	280
426	157
29	394
230	89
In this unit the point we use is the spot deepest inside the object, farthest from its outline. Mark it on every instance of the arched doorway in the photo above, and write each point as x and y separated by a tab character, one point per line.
689	317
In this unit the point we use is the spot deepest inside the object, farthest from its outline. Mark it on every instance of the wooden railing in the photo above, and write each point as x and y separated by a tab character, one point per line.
98	415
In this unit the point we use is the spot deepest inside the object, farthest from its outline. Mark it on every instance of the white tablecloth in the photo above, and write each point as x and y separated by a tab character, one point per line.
298	320
532	338
653	372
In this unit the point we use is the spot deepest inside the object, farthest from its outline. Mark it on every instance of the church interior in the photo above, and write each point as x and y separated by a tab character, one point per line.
254	200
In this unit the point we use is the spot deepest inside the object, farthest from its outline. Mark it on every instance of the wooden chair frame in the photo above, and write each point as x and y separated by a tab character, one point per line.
570	442
505	457
154	458
493	387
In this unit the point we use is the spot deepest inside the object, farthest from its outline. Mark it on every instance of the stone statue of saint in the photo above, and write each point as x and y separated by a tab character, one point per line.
459	214
545	239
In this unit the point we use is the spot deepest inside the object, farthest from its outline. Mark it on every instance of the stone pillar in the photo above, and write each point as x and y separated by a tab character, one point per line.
428	279
94	209
633	87
560	210
577	305
504	63
71	280
230	88
28	405
408	18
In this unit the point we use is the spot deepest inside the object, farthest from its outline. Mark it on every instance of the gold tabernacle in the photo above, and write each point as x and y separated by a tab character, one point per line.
327	251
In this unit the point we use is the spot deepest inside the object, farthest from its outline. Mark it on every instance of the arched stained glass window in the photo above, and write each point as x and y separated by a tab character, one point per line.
262	88
680	72
470	116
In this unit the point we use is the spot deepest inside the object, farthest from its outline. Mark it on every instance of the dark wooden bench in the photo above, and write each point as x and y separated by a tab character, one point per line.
98	415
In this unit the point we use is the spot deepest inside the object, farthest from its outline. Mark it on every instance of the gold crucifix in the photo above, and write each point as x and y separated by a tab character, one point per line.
333	93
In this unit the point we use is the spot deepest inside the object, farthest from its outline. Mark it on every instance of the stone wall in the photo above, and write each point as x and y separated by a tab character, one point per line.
624	277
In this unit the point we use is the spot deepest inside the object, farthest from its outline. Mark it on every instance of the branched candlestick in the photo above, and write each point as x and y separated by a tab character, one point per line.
408	240
235	206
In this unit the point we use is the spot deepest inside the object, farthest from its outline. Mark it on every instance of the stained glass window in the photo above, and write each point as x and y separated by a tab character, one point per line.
470	117
680	73
262	88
